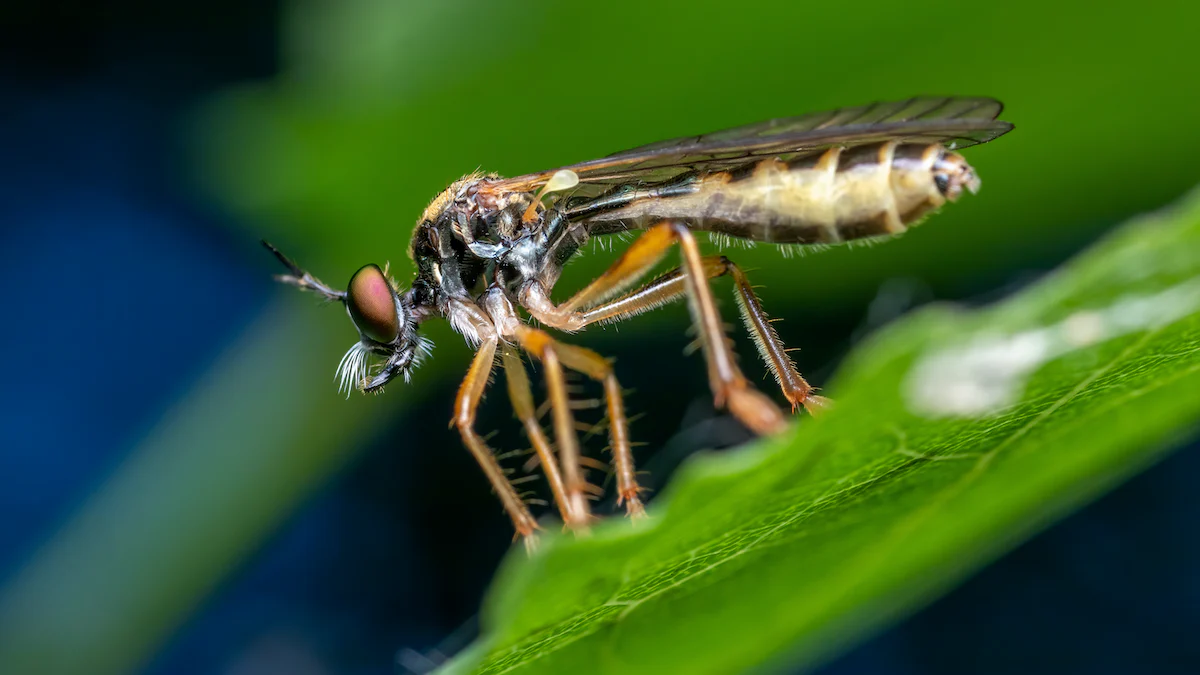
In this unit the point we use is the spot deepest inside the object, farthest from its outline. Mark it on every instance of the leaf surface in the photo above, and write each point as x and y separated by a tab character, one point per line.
956	435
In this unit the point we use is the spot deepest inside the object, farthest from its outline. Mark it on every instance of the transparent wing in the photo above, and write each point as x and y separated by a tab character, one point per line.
953	121
847	122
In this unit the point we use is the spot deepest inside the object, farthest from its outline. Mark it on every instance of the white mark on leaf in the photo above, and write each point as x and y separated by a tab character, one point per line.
988	374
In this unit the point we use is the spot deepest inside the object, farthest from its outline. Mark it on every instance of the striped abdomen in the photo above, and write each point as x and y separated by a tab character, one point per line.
865	191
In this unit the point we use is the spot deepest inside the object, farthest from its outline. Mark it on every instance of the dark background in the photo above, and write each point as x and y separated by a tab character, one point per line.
292	532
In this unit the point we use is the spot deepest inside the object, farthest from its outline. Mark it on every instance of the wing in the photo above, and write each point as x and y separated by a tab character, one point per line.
953	121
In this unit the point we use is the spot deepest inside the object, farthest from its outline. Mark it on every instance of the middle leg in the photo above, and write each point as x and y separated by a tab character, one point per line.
730	387
669	287
521	396
555	354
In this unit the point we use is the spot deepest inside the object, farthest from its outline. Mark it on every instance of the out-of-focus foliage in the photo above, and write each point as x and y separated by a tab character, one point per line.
955	434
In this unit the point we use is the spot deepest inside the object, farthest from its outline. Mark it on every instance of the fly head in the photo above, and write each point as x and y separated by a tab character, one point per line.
383	315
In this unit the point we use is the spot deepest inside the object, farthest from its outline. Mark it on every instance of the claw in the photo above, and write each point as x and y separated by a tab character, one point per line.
817	405
531	542
634	508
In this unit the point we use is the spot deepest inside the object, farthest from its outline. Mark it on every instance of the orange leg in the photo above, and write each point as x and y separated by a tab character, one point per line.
795	388
730	387
556	354
465	405
540	345
522	399
670	287
645	252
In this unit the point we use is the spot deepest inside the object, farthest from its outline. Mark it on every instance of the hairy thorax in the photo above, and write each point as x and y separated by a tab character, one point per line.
471	238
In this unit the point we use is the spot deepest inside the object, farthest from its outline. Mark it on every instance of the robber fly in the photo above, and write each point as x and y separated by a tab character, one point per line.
487	246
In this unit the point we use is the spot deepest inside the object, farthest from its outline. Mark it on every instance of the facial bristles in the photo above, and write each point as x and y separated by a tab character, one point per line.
424	347
352	370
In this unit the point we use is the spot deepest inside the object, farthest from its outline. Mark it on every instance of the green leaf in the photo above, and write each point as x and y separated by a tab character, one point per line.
956	434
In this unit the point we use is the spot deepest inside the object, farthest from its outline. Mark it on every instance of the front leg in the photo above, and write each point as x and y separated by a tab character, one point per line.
465	405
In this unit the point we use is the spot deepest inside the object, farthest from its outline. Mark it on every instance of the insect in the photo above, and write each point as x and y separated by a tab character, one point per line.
487	246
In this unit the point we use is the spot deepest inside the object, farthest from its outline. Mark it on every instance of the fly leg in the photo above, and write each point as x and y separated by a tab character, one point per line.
645	252
730	387
556	354
469	395
537	343
522	399
795	388
671	286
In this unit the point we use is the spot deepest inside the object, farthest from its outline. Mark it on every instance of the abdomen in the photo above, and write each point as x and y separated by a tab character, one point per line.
867	191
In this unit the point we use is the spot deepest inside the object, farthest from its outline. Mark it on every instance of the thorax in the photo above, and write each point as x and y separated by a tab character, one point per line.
469	240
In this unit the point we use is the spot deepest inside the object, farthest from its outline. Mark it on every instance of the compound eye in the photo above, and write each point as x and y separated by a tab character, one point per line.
372	304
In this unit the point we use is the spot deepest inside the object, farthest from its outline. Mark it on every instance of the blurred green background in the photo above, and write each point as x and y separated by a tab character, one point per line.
332	145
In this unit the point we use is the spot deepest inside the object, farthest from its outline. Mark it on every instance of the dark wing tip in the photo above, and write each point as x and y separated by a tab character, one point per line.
987	107
953	107
994	130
